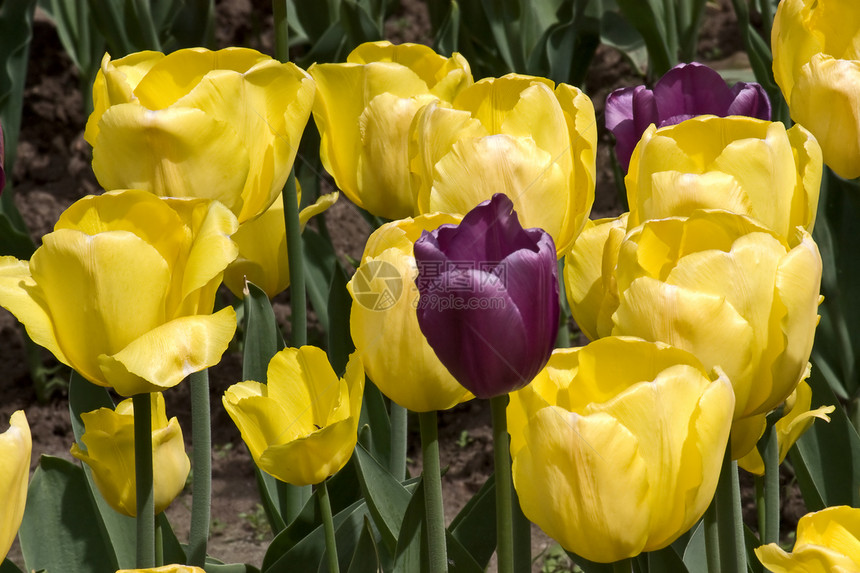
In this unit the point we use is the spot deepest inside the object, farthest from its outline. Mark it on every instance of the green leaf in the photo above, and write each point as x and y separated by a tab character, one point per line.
824	483
59	503
649	20
666	560
475	525
616	31
590	566
751	541
695	557
366	557
262	336
172	549
229	568
84	396
9	567
340	344
411	552
374	418
386	498
320	261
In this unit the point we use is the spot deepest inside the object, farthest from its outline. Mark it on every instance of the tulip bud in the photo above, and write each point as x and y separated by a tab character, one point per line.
617	445
685	91
302	426
489	298
15	449
109	441
826	541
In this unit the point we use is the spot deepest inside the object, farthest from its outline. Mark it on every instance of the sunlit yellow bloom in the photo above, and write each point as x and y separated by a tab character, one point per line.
828	541
109	441
617	446
730	291
222	125
262	244
302	426
384	324
123	289
816	62
736	163
518	135
797	417
363	111
165	569
589	277
15	449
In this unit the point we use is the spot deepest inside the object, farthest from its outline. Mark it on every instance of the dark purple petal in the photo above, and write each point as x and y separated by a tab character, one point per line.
691	89
629	111
478	334
488	233
619	107
751	100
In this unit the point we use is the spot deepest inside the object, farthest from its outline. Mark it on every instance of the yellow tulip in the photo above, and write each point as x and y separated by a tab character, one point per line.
828	541
816	63
262	244
222	125
517	135
123	290
302	426
363	111
165	569
796	419
617	446
589	280
729	290
109	441
384	324
15	449
737	163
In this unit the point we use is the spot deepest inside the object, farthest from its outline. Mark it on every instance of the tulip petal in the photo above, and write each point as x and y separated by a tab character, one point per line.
492	100
583	274
673	193
175	152
592	479
689	87
183	346
261	421
15	451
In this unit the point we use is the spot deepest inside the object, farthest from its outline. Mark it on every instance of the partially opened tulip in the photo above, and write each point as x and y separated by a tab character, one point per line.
123	289
489	298
748	166
685	91
828	541
384	325
617	446
15	450
518	135
262	244
222	125
302	426
816	63
109	452
363	111
730	291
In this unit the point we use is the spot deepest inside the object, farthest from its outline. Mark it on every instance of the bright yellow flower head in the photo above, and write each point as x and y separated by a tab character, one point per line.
15	450
729	290
617	446
384	324
302	426
109	441
123	289
816	62
797	417
363	111
262	244
736	163
165	569
828	541
222	125
517	135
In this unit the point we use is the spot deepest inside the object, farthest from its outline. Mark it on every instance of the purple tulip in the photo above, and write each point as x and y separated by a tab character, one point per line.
687	90
489	298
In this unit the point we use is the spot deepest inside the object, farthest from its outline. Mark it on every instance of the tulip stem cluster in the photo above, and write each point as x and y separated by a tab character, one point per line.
328	526
729	518
201	485
770	531
143	480
504	487
432	480
712	537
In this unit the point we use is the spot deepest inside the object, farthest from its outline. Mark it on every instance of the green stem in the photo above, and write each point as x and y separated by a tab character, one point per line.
770	534
432	480
398	416
159	543
623	566
201	478
729	520
522	535
143	15
298	296
761	512
712	538
328	526
504	485
282	30
143	480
